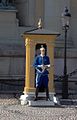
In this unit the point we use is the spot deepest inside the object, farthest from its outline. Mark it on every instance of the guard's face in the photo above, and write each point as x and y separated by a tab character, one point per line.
43	52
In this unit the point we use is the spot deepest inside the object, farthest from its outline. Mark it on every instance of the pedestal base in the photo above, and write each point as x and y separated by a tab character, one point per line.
29	99
41	103
26	97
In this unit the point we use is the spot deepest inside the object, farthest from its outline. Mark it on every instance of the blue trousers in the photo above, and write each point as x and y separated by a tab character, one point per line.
42	79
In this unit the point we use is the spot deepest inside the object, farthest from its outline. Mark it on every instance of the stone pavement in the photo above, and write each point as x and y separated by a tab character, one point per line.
10	109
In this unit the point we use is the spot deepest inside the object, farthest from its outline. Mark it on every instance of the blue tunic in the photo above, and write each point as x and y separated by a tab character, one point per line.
41	77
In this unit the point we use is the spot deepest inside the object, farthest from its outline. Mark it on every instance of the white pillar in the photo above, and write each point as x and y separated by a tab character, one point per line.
73	7
22	14
31	12
53	11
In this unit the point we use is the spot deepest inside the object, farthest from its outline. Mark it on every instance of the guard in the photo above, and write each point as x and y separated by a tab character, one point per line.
41	64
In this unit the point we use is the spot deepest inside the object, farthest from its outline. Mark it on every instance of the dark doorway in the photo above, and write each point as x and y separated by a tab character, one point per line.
37	49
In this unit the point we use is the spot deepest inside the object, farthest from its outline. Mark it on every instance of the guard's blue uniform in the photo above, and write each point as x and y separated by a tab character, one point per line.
41	77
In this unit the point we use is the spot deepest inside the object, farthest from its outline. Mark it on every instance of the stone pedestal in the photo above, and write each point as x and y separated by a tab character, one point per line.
8	25
28	99
41	103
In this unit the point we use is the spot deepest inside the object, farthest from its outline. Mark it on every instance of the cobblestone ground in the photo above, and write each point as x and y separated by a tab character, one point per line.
10	109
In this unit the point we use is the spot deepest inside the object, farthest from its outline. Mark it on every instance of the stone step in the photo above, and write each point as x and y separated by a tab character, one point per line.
60	43
41	103
71	52
68	101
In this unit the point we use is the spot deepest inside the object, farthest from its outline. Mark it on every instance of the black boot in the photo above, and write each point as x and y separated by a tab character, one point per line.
47	94
36	94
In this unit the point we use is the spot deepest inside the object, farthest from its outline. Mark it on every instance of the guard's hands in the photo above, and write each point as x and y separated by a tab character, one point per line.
43	67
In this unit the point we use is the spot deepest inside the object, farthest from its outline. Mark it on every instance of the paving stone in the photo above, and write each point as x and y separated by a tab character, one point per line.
10	109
